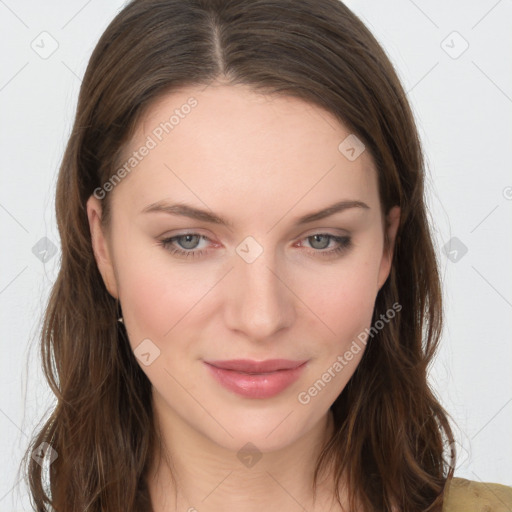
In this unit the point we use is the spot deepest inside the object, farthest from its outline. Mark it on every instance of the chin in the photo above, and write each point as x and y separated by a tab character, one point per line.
268	429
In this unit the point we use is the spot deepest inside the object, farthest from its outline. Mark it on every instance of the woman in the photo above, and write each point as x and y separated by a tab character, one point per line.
249	297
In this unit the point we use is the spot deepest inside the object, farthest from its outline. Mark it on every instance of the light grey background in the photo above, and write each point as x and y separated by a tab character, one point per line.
463	104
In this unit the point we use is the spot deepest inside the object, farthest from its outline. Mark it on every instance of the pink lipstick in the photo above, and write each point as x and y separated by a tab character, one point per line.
256	379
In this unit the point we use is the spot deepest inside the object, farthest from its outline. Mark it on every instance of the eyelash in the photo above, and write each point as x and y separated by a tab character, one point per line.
344	241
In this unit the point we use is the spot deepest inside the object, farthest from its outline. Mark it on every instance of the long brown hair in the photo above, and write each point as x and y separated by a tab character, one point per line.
390	430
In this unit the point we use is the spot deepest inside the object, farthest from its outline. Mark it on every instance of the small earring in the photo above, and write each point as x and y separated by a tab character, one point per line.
120	319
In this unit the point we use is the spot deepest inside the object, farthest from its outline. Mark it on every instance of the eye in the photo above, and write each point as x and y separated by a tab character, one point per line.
186	244
320	241
188	241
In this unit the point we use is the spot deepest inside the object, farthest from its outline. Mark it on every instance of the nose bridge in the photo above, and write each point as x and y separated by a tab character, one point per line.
259	302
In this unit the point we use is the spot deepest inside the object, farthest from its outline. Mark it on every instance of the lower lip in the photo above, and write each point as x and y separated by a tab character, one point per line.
263	385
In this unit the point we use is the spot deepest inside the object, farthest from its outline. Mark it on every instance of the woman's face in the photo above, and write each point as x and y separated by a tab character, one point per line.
246	279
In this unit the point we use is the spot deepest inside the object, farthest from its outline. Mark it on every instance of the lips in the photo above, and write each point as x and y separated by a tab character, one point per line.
248	366
256	379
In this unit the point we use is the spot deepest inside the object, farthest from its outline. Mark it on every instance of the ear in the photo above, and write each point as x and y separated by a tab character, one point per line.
100	246
391	224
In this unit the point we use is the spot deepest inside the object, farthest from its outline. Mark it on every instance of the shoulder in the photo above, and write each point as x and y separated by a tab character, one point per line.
469	496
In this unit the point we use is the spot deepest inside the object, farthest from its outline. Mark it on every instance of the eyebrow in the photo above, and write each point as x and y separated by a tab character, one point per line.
185	210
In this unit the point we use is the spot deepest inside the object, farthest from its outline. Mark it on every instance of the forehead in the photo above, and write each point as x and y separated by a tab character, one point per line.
219	142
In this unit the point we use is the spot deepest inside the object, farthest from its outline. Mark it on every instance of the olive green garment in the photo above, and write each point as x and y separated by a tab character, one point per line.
470	496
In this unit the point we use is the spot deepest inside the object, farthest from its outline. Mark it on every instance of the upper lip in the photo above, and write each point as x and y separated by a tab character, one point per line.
250	366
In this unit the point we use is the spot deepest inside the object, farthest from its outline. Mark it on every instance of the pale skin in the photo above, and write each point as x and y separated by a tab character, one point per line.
260	162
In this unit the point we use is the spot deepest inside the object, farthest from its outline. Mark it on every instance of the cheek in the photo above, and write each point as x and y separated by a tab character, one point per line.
152	306
343	300
343	297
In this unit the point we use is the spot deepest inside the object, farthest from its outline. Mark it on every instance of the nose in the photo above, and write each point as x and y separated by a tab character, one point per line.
259	301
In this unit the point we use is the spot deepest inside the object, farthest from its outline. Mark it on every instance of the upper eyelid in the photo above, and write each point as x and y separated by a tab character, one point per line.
201	236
